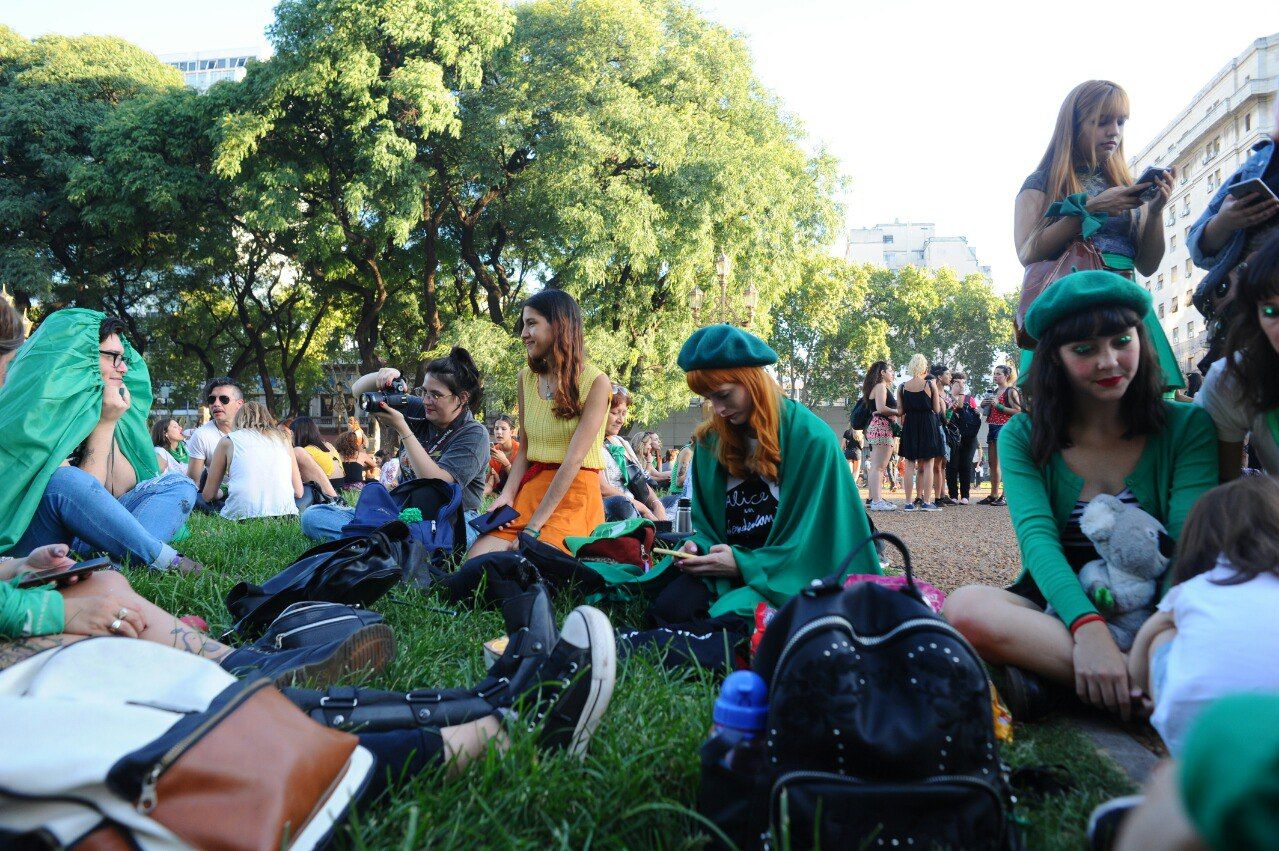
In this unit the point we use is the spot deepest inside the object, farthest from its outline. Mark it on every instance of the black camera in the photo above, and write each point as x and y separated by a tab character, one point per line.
396	396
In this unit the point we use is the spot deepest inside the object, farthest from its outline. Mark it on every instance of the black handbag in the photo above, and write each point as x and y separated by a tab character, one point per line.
353	571
312	623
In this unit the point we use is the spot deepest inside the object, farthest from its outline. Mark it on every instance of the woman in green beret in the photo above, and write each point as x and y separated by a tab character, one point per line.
774	506
1097	425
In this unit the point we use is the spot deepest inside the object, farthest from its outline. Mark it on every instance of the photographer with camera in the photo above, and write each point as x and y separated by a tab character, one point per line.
440	437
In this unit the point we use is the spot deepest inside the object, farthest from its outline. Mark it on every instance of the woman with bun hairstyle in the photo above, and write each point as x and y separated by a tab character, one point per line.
1082	189
440	438
1098	425
563	407
774	505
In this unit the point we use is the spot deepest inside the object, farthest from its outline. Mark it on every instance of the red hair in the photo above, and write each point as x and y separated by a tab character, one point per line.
733	451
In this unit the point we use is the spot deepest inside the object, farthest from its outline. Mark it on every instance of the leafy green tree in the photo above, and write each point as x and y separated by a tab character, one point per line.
55	92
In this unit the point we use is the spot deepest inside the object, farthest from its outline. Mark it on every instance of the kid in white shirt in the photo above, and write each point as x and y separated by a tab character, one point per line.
1217	630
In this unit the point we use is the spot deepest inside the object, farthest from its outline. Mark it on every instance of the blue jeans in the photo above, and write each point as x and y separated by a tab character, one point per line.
77	510
618	508
324	522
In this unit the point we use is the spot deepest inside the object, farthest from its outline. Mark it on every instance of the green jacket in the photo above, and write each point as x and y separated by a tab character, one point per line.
50	403
29	611
820	517
1177	466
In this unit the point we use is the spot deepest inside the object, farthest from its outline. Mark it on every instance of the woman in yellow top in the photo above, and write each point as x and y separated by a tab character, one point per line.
563	405
318	461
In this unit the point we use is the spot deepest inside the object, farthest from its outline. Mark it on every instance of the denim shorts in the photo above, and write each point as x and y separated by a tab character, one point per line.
1159	669
992	432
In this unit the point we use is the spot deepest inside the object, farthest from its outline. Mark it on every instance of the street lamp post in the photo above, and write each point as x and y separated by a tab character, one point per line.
697	297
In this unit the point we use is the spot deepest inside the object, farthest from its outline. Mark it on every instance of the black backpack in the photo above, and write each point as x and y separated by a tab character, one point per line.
880	730
859	417
968	420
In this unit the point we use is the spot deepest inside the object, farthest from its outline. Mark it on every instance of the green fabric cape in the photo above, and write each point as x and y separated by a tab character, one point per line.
51	402
820	517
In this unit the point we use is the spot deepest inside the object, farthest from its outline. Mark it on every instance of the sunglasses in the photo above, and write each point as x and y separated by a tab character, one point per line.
225	400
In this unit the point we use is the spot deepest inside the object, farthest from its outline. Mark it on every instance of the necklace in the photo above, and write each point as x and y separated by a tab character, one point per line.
544	388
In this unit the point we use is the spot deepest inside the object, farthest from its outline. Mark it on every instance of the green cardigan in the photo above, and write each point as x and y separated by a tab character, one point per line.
820	517
29	611
1177	466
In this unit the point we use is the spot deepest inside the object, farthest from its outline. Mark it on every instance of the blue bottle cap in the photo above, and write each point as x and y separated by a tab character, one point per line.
742	703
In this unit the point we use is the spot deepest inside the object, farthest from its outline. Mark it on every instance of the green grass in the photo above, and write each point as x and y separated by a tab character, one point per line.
638	785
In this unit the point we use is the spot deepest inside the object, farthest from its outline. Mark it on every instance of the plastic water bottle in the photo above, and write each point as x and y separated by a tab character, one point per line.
740	713
684	516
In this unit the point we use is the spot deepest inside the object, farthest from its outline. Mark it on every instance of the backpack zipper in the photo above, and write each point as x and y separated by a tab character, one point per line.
279	638
147	796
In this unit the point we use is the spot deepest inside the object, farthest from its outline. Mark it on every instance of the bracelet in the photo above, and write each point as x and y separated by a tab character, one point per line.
1091	617
533	533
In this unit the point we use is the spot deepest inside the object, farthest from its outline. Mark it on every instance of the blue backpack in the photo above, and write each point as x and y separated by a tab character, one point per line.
442	529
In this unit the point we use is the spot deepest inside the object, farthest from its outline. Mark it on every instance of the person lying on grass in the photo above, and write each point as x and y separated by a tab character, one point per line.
79	466
774	505
1097	425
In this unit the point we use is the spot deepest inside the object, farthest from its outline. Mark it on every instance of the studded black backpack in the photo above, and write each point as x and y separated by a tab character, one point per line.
879	734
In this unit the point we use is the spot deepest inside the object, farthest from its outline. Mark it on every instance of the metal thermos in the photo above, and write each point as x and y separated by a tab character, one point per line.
684	517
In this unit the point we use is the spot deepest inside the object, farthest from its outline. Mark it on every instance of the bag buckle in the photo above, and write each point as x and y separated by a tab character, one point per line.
329	702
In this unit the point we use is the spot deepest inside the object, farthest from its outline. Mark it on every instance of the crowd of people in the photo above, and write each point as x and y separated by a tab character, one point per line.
1089	415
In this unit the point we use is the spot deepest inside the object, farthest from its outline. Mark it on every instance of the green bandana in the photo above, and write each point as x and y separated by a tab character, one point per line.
51	402
1075	205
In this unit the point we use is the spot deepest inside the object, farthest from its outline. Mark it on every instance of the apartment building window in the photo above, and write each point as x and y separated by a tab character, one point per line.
1161	310
1185	206
1159	282
1186	233
1176	335
888	239
1172	243
1173	307
1189	269
1176	273
1190	330
1171	219
1247	122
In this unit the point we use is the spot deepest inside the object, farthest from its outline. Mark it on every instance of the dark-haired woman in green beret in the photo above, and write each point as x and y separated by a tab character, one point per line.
1098	424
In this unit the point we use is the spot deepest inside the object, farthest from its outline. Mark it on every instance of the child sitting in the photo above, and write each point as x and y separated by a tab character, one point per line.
1215	632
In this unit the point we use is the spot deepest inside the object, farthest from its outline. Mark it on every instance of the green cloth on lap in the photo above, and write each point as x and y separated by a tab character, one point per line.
51	401
30	611
820	518
1229	776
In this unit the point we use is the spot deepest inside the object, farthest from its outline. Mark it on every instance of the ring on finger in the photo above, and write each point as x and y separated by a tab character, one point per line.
122	614
115	625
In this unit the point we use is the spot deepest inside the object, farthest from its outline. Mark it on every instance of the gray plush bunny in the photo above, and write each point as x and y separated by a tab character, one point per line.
1123	583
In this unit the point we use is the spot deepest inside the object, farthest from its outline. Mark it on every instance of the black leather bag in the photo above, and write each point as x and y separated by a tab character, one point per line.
556	568
352	571
879	730
312	623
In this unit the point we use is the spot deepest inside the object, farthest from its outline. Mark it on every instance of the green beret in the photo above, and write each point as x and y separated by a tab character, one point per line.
724	347
1080	291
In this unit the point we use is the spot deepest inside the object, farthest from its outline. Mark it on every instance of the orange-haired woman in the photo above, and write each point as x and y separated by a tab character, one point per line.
563	403
774	505
1082	189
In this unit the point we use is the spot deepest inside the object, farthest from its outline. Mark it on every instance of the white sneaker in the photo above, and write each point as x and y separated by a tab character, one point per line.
882	505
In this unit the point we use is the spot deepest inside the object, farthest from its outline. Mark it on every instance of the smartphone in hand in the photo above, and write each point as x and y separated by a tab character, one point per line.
1247	188
84	568
1151	175
486	523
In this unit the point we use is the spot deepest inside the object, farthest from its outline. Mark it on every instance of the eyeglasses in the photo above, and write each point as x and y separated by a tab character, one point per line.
117	358
435	397
225	400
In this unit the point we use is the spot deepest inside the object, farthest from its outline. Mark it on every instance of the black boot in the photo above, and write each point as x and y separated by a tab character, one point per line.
366	710
1028	696
530	625
368	649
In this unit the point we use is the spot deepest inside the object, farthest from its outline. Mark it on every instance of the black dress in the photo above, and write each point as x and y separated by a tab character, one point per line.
921	427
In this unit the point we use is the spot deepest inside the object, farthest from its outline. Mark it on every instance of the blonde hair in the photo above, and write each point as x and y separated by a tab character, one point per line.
918	365
255	416
1086	102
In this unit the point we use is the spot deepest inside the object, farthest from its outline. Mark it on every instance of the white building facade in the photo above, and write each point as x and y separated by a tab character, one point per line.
916	244
1206	142
201	69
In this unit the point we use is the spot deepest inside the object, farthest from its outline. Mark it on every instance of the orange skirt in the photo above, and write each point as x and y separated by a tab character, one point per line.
579	512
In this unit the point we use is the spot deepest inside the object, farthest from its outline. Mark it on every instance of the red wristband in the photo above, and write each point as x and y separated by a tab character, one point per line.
1091	617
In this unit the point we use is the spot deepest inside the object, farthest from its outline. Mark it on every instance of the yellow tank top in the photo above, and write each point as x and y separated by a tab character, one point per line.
325	459
547	435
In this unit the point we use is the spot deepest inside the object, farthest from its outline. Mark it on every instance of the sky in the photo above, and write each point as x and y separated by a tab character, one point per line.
936	110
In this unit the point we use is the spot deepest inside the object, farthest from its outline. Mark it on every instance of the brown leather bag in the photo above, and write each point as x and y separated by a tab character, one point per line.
1079	256
251	775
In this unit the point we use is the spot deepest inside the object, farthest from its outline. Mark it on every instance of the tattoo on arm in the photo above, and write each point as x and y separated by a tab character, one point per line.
13	651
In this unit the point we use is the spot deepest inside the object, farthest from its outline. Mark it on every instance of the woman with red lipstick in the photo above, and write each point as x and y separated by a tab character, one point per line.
1098	425
1082	189
563	407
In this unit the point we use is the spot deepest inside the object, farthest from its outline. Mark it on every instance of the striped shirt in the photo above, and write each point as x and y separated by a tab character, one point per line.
1074	543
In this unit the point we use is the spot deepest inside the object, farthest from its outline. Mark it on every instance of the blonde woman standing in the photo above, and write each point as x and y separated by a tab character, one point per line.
258	465
921	439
